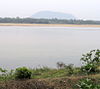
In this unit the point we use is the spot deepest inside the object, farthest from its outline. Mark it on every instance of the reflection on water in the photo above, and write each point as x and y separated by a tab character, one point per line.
34	46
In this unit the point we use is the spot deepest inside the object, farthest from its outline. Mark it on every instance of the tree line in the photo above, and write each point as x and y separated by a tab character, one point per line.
46	21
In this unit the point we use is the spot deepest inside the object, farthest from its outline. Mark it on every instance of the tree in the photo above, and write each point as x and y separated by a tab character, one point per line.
60	65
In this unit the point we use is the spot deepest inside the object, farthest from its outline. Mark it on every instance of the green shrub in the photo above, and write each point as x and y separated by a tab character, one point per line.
70	69
89	68
91	61
87	84
22	73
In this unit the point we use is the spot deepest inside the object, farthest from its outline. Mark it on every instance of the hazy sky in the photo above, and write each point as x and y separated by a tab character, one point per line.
82	9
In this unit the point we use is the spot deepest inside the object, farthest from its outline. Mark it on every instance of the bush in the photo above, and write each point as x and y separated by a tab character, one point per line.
87	84
91	61
70	69
23	73
89	69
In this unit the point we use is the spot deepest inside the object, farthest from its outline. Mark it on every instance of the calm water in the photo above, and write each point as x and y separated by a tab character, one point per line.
37	46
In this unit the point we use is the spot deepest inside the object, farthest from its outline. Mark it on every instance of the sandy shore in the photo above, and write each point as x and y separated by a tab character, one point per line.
48	25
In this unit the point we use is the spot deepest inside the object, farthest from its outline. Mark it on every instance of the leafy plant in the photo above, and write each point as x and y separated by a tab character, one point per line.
87	84
91	61
70	69
23	73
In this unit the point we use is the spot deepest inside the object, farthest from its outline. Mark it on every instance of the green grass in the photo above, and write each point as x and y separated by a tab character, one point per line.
50	73
64	78
46	72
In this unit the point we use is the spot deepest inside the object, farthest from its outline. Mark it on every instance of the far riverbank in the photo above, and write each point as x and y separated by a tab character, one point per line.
48	25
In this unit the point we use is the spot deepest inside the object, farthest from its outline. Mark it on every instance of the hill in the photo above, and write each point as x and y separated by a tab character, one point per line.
52	15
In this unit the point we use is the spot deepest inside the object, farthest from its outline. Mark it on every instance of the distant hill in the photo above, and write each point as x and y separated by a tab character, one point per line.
52	15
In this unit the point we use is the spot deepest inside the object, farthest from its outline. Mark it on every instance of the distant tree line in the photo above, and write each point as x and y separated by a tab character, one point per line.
46	21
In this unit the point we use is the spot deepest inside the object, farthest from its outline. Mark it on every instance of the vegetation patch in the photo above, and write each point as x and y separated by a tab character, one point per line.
62	77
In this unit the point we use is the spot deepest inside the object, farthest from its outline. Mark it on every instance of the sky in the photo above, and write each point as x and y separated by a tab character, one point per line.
81	9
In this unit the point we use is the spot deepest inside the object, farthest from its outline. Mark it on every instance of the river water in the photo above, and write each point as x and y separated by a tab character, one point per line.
45	46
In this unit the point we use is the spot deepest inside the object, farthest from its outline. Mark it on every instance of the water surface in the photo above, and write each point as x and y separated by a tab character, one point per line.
37	46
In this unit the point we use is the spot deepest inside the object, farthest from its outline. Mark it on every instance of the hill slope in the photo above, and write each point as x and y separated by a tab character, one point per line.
51	14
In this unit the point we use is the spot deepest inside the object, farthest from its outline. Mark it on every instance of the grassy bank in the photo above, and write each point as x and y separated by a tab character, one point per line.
48	83
63	77
47	78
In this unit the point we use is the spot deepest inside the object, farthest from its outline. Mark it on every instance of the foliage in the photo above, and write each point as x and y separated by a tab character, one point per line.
87	84
60	65
91	61
70	69
4	74
23	73
3	70
46	21
43	72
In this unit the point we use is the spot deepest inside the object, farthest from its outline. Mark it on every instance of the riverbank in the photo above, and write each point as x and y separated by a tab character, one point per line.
48	25
55	83
46	78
